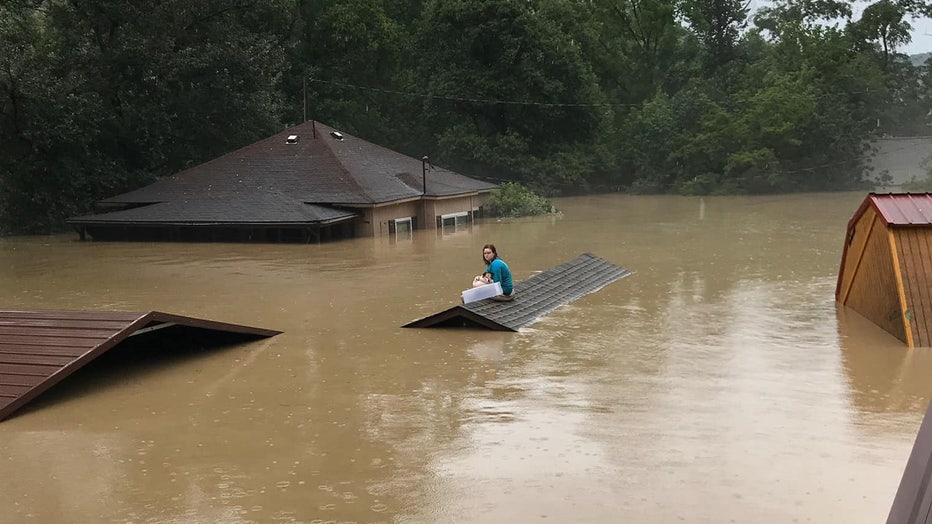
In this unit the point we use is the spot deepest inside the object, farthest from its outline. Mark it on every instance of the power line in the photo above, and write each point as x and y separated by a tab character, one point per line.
832	94
469	99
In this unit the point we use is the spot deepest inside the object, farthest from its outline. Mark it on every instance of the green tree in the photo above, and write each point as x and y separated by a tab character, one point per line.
350	55
631	45
883	24
511	94
109	93
718	23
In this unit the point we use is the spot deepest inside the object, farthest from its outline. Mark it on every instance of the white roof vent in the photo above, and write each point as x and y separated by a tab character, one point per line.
336	134
292	139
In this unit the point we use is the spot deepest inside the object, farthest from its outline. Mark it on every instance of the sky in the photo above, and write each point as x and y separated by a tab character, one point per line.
922	37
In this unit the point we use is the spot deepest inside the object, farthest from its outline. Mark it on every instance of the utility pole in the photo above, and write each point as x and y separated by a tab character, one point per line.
424	161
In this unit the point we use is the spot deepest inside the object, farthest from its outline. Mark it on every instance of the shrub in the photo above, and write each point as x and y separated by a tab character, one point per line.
515	200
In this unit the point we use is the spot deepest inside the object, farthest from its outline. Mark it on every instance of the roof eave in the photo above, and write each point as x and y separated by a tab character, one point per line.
208	223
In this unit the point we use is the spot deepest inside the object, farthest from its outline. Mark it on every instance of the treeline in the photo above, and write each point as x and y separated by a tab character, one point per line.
692	96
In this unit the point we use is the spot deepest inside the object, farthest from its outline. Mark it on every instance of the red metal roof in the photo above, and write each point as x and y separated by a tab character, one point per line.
40	348
903	209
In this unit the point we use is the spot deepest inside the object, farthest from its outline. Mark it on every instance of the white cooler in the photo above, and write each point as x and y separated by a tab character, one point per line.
480	292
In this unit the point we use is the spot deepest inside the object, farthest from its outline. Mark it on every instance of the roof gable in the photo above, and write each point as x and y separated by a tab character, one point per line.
315	168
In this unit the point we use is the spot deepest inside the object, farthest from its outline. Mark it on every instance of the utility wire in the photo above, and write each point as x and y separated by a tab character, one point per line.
522	103
555	104
468	99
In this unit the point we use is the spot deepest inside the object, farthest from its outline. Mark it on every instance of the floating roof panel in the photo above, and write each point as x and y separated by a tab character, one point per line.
40	348
534	297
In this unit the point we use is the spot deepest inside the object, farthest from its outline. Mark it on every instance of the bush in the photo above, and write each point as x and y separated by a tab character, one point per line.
515	200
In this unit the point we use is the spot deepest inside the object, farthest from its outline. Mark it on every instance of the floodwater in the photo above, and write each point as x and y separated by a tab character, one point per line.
718	383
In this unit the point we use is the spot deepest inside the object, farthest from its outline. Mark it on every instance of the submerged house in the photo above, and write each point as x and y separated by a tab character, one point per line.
306	184
886	267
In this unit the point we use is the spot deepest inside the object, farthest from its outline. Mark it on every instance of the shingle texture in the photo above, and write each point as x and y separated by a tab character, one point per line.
534	297
260	209
275	181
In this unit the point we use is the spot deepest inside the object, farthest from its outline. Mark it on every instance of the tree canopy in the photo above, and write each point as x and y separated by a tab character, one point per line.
561	96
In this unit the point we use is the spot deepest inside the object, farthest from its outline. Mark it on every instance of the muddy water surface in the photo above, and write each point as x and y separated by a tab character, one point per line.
719	383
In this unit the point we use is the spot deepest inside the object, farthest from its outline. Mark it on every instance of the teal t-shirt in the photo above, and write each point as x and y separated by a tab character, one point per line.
501	274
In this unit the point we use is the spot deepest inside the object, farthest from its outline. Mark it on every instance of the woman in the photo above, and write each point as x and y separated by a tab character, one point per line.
500	272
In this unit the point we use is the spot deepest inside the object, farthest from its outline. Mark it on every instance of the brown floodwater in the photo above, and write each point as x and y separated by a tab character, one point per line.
718	383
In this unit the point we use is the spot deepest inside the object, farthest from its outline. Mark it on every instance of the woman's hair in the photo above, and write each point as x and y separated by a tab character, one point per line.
494	253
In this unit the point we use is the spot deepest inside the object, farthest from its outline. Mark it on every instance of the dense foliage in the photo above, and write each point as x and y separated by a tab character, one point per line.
515	200
561	96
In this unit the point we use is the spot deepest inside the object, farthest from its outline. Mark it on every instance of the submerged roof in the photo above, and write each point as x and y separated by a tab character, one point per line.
534	297
40	348
898	209
297	175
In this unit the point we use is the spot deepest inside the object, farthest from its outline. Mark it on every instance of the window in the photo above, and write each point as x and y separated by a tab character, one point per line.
453	222
401	228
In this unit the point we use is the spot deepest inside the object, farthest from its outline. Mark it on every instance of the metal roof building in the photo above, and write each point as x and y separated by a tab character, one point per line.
886	266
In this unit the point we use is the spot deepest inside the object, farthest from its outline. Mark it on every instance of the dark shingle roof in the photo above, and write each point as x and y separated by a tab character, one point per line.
534	297
274	181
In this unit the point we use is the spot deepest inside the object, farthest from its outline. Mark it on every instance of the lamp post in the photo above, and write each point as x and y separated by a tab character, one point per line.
424	161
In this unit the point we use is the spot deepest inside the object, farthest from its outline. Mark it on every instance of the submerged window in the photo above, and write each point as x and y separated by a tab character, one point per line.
402	228
453	222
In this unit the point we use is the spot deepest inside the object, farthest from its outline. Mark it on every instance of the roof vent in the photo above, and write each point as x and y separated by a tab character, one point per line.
336	134
292	139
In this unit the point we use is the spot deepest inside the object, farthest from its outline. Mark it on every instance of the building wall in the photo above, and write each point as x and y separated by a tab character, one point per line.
914	251
869	282
436	208
374	221
382	215
904	159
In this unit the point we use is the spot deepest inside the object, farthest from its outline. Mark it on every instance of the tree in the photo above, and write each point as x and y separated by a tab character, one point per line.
109	93
718	23
510	92
883	23
351	54
631	44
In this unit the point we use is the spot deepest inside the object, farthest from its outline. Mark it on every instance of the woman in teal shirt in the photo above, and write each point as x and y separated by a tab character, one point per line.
500	272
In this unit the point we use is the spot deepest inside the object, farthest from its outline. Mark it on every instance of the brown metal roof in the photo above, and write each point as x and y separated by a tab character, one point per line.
534	297
898	209
40	348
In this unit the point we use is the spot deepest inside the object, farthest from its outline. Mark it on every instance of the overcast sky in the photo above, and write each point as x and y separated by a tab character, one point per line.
922	37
